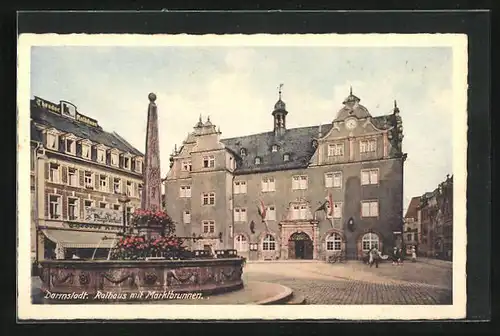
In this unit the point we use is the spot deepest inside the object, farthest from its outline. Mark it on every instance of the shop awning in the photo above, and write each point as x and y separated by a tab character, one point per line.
78	239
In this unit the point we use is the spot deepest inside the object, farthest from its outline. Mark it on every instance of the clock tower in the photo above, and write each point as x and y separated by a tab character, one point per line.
279	114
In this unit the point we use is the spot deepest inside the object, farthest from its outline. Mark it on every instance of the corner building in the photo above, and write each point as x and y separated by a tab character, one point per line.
356	161
78	173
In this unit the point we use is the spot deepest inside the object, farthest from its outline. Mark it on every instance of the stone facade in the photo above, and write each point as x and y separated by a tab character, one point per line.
412	226
67	167
356	160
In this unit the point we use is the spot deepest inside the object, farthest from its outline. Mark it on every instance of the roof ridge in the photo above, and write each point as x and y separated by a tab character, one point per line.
271	132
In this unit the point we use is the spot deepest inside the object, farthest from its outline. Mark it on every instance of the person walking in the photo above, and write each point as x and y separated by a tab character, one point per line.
413	254
394	256
400	256
374	257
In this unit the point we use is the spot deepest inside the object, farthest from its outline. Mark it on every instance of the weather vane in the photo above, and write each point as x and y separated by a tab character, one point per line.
280	87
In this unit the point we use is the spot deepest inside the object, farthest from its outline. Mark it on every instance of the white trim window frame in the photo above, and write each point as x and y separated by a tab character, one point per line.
103	183
73	177
369	176
73	209
185	191
367	146
333	180
369	208
208	226
130	189
88	179
54	172
337	210
186	217
240	187
369	241
117	185
86	149
336	149
269	243
240	214
138	165
208	198
72	144
271	213
101	154
299	182
114	157
333	242
127	161
209	161
55	206
268	184
52	140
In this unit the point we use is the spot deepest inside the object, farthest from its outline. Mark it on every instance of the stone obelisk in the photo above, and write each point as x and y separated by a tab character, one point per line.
151	190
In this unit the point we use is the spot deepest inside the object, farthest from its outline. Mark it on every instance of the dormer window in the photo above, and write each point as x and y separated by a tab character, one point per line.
70	146
52	141
86	149
274	148
257	160
114	158
126	162
286	157
243	152
101	155
138	165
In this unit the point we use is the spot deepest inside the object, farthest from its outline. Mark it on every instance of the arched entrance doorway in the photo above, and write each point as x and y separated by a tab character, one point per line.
300	246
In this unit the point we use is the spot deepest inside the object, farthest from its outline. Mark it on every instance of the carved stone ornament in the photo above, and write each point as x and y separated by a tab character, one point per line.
150	278
84	279
65	278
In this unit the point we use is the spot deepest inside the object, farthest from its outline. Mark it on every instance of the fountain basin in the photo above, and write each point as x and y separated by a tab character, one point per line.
122	280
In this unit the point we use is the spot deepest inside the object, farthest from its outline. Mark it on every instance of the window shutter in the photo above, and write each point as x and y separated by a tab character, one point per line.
111	184
64	171
81	177
63	201
97	177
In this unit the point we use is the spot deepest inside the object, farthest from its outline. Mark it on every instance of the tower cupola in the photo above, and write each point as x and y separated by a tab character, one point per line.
279	114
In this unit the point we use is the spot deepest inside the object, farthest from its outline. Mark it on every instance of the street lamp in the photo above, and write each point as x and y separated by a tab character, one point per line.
124	199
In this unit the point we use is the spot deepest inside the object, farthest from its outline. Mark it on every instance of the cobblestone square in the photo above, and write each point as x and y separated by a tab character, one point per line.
427	282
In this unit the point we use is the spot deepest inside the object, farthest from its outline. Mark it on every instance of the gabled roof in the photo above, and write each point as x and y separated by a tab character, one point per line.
67	125
412	211
297	142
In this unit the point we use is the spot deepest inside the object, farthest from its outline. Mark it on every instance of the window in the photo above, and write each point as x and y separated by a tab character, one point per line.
185	191
103	205
241	243
369	209
299	211
336	150
139	188
268	184
337	210
240	187
101	156
54	173
114	159
209	161
333	180
274	148
103	183
366	146
333	242
208	198
130	189
409	237
187	165
271	213
88	180
369	176
54	207
85	151
72	177
208	226
73	208
299	182
117	186
369	241
286	157
52	141
88	203
243	152
126	162
70	146
138	166
240	215
186	217
269	243
257	160
128	213
116	206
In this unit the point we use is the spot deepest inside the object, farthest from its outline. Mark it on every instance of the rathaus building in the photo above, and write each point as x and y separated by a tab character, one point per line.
298	193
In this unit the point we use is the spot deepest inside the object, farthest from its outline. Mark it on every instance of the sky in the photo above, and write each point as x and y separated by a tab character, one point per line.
238	87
